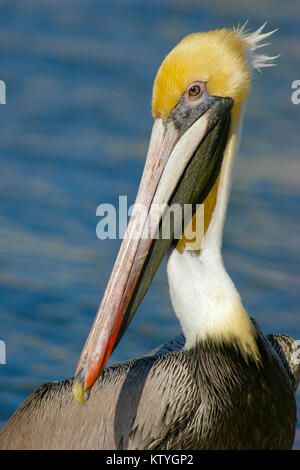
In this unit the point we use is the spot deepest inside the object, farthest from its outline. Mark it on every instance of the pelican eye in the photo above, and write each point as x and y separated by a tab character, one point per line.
195	91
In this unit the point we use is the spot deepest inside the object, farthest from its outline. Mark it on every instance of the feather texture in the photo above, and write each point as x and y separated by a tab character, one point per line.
222	58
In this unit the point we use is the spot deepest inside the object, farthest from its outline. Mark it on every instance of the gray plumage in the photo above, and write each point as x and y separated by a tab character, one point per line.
209	397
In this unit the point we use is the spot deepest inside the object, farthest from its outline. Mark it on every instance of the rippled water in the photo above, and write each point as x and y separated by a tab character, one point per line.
74	134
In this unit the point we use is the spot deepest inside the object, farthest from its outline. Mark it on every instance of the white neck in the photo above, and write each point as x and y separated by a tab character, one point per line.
213	237
203	295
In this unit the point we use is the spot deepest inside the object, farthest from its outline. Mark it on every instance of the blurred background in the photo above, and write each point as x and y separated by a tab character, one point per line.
74	134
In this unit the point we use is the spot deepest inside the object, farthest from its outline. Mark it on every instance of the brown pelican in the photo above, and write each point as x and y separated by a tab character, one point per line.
222	384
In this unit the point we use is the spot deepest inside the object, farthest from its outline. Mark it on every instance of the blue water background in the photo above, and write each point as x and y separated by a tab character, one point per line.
74	134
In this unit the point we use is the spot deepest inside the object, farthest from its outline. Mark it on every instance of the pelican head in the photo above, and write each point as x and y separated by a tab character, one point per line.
198	97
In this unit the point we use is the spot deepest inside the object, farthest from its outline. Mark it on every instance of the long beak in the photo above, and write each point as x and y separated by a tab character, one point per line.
181	167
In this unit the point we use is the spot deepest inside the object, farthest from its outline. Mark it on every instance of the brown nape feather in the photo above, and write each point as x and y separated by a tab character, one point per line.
206	398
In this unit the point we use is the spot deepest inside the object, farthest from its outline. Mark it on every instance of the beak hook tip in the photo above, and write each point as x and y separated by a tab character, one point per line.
80	392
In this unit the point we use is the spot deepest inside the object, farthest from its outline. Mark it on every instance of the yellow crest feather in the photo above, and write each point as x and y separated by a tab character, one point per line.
221	58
